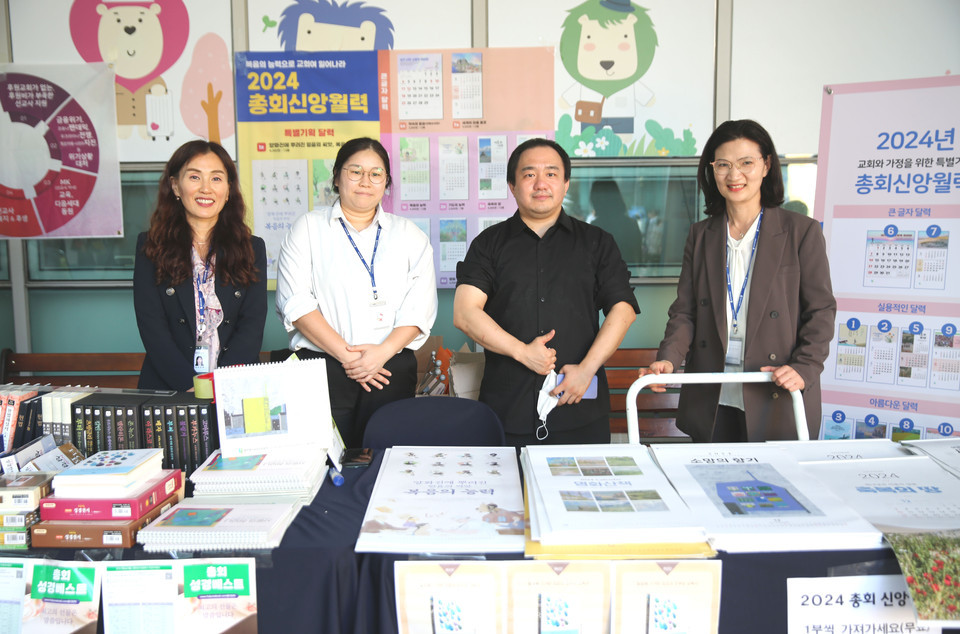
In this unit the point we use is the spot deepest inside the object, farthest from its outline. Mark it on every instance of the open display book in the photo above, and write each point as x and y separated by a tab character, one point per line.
754	497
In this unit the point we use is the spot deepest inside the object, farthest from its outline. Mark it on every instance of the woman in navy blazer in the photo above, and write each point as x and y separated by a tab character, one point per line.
786	319
199	280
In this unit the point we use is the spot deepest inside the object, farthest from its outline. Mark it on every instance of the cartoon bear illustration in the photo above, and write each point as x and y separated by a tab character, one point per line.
140	40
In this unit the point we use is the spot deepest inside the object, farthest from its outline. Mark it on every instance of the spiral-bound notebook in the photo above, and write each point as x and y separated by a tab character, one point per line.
220	524
288	472
269	406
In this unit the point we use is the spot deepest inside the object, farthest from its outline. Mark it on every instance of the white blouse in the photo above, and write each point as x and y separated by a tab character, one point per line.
318	268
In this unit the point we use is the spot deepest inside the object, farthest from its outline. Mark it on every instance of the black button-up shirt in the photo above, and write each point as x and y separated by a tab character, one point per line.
534	285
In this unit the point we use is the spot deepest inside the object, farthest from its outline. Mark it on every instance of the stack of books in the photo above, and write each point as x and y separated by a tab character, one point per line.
279	472
20	496
103	501
205	524
605	501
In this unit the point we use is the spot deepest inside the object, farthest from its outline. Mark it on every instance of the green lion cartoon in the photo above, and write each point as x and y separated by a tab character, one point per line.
607	46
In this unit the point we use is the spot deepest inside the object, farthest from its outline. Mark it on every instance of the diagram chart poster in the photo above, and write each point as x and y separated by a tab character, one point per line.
59	175
295	110
888	194
450	119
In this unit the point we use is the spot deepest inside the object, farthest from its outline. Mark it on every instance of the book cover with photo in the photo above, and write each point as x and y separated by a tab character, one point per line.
754	497
445	500
272	405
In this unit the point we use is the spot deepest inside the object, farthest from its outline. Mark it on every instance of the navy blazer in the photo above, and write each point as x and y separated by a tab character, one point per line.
167	319
790	321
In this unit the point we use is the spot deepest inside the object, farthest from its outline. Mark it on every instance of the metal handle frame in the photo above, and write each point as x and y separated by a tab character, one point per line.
633	422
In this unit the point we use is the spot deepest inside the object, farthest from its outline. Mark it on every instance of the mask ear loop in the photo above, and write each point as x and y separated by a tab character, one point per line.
542	426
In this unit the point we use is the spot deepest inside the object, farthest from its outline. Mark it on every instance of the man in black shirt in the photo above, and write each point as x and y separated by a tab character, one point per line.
530	291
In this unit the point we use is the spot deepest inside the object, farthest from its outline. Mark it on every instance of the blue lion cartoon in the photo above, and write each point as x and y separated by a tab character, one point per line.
607	46
324	25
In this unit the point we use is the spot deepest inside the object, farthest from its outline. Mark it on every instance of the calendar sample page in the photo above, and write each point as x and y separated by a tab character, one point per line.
466	85
851	352
889	262
420	86
492	158
945	368
931	269
914	358
414	168
453	242
883	354
454	167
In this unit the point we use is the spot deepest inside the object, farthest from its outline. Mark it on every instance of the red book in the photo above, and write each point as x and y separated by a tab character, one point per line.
133	506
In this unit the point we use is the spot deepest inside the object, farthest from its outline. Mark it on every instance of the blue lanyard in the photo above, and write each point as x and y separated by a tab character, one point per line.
369	269
201	301
746	277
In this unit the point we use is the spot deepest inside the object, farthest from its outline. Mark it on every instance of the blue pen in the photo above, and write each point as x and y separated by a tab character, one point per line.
335	476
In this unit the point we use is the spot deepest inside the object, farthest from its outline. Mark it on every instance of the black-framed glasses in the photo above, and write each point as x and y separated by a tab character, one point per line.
745	166
355	173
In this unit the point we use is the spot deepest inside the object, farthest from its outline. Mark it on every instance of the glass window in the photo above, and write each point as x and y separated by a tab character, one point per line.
99	258
648	206
4	262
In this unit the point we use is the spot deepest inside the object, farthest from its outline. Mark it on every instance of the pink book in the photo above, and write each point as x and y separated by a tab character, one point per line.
134	505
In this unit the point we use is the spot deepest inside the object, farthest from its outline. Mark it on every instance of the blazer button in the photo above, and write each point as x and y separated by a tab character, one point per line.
226	321
236	294
772	357
774	314
703	344
170	291
182	320
775	396
703	302
224	349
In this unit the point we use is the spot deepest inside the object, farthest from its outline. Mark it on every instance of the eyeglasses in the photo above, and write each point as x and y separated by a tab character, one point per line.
745	166
355	173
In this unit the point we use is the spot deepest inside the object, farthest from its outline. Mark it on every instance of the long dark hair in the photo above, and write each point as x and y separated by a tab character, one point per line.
771	189
169	238
353	146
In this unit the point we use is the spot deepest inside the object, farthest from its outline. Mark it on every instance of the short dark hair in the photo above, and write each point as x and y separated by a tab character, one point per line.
771	189
353	146
514	160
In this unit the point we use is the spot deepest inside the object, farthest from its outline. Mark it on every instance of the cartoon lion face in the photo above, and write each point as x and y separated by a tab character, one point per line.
608	52
321	36
130	37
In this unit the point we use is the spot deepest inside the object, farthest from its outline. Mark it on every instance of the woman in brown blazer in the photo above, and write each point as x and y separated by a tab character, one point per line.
754	295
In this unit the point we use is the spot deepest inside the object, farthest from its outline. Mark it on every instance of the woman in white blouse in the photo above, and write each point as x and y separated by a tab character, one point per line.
356	286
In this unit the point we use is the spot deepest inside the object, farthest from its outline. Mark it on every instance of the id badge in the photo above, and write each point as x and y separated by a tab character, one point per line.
380	316
734	351
201	359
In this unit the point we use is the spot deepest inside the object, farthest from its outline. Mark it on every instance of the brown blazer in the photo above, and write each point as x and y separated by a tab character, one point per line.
790	321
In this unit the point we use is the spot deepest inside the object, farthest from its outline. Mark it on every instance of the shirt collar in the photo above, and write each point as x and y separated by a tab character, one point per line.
517	225
381	217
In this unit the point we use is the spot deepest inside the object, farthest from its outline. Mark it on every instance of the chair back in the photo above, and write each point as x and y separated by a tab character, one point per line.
434	421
